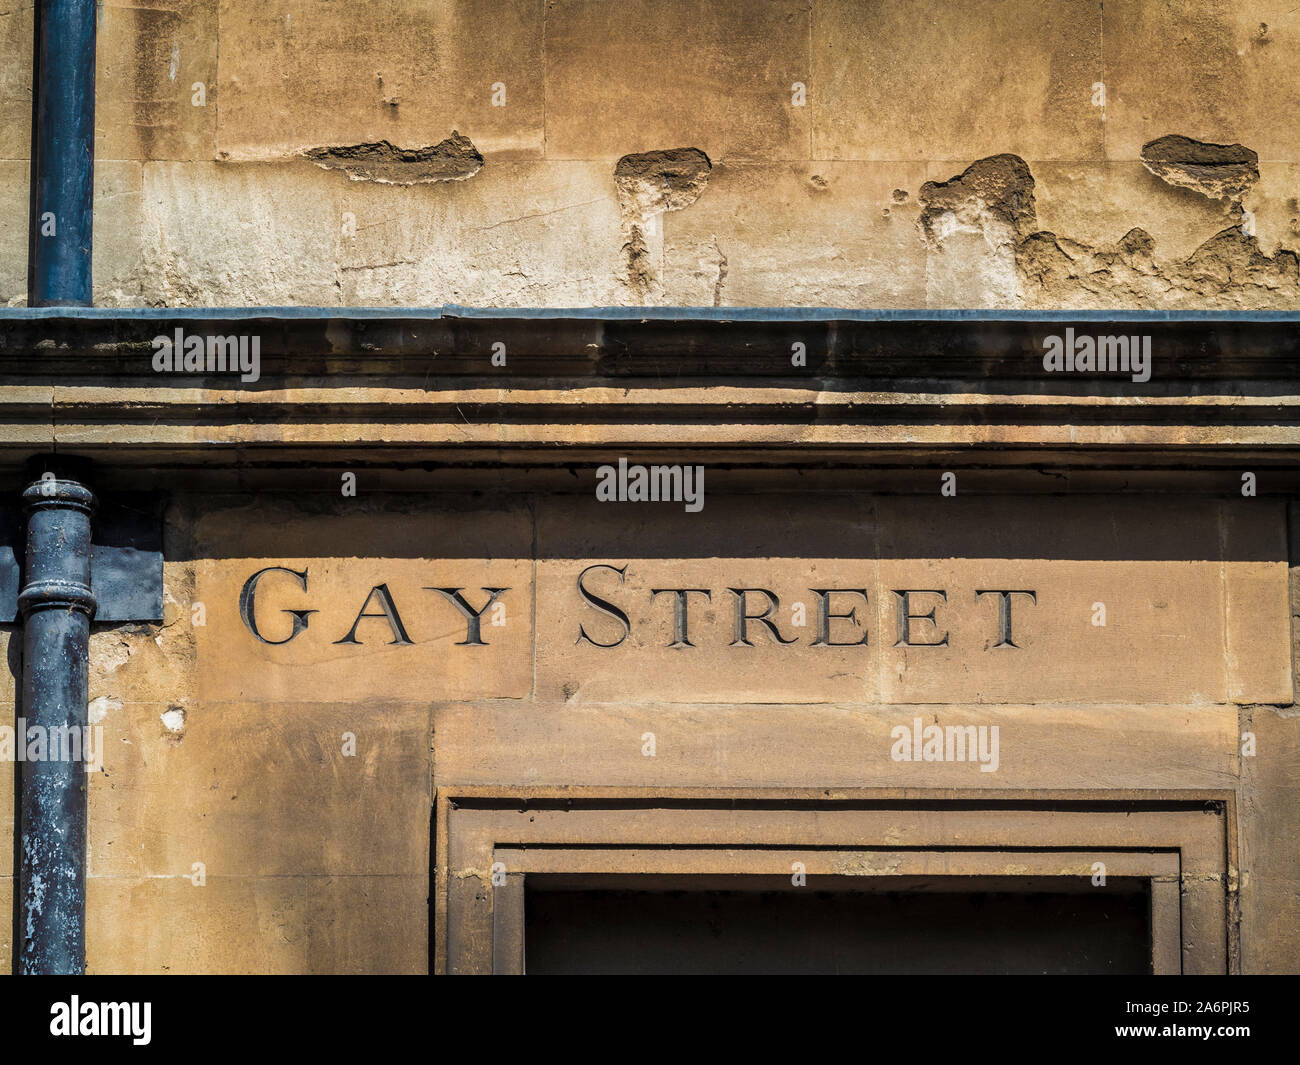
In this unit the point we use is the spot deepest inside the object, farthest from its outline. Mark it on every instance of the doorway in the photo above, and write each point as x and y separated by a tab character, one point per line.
957	925
1002	882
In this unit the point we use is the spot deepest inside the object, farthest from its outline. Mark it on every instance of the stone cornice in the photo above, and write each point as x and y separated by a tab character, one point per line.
421	385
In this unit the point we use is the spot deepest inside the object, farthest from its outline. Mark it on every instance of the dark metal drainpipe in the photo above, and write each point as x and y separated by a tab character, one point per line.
56	605
63	154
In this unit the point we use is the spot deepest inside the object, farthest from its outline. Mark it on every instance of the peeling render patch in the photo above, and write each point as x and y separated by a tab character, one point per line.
649	185
453	159
1227	272
999	189
1286	712
173	719
722	273
101	707
983	245
663	181
972	225
1219	171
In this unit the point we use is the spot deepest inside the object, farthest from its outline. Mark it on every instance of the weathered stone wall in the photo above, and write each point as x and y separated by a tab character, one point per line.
999	153
232	753
1012	154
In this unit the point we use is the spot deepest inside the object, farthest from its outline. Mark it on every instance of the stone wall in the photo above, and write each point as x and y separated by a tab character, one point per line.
232	829
997	153
670	152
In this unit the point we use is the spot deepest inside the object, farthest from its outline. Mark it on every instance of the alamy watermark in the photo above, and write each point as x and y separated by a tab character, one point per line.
946	743
1103	354
179	353
77	1018
22	742
651	484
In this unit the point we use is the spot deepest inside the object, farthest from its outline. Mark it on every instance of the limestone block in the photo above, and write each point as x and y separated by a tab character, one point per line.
300	74
657	74
896	82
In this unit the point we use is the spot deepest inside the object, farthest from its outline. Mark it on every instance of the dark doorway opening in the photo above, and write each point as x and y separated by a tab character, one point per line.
736	925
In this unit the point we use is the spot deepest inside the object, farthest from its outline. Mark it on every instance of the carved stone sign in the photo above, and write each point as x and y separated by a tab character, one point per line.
875	601
755	610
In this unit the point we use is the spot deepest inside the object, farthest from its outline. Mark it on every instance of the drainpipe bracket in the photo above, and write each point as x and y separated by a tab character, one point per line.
126	570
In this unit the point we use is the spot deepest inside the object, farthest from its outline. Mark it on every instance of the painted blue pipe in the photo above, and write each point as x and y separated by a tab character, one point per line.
63	155
57	606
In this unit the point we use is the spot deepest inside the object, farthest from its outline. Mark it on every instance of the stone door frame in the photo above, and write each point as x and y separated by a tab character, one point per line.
1182	842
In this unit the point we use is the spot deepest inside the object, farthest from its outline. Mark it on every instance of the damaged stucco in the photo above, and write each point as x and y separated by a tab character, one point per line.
973	225
982	236
650	184
1220	171
453	159
785	152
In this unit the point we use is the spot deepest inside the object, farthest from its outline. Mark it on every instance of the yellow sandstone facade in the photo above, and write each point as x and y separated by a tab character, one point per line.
913	608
